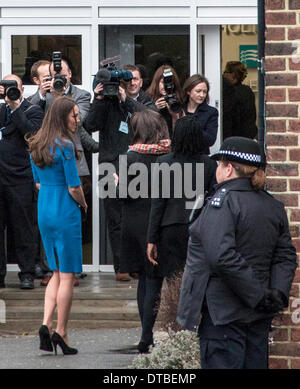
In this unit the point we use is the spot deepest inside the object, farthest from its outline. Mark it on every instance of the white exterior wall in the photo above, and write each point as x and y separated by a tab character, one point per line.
83	17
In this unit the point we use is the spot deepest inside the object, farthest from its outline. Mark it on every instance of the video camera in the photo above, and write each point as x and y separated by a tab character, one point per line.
110	76
60	81
11	90
171	97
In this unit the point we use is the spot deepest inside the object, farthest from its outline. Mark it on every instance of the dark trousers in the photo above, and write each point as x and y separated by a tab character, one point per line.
16	209
148	297
113	211
113	214
234	345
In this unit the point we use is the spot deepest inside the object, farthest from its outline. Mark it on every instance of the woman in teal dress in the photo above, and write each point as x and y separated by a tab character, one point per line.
54	169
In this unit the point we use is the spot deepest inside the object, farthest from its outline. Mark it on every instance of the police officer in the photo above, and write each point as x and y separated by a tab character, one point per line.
240	263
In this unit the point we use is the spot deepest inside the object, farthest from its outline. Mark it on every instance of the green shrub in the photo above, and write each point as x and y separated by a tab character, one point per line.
179	351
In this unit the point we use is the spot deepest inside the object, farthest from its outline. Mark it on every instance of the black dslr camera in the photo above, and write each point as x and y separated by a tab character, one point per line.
10	90
110	76
171	97
59	81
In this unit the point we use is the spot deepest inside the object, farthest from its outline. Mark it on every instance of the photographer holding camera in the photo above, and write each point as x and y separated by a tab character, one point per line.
54	79
18	117
114	102
40	75
166	92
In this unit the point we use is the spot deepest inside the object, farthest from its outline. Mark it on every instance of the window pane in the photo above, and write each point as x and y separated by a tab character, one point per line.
27	49
172	50
148	47
239	43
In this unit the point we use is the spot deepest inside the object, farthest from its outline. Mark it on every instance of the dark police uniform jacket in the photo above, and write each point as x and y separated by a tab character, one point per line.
238	246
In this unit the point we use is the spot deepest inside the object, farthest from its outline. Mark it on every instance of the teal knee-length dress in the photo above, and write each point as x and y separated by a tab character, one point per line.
59	216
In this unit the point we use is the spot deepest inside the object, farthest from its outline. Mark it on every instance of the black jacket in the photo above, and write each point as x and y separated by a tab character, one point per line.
208	123
135	213
106	116
15	165
230	117
174	210
245	125
239	246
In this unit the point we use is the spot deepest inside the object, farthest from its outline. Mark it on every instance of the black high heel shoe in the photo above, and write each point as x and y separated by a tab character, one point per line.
143	347
56	339
45	340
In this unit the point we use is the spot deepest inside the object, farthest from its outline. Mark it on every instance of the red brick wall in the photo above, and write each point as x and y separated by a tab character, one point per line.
283	153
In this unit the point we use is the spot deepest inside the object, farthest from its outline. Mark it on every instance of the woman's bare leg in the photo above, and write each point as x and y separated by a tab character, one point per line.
64	303
50	300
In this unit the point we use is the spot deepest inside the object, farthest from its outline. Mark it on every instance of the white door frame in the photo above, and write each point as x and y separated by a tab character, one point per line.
85	32
212	67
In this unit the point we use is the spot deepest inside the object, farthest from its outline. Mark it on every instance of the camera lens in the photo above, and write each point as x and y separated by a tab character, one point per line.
175	107
13	93
174	104
58	85
59	82
112	90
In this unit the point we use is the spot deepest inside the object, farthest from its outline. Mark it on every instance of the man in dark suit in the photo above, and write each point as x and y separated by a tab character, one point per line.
17	118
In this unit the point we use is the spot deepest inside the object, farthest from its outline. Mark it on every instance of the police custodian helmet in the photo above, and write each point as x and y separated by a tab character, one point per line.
241	150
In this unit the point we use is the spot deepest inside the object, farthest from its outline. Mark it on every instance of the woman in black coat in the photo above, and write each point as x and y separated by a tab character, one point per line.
196	90
169	217
150	139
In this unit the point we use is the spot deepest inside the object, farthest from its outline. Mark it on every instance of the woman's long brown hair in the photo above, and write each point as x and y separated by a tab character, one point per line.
54	127
153	90
148	127
190	84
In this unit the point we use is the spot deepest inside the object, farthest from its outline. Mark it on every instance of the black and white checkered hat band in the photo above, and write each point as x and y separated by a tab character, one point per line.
244	156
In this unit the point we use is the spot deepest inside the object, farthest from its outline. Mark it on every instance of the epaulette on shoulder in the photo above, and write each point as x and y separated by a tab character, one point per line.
218	198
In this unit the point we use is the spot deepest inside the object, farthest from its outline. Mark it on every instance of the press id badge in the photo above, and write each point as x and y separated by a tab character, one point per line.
1	129
123	127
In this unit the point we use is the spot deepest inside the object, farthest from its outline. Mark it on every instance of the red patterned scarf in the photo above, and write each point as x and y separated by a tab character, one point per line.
162	147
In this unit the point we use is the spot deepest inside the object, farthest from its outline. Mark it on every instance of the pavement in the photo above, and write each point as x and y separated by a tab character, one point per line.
97	349
104	326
